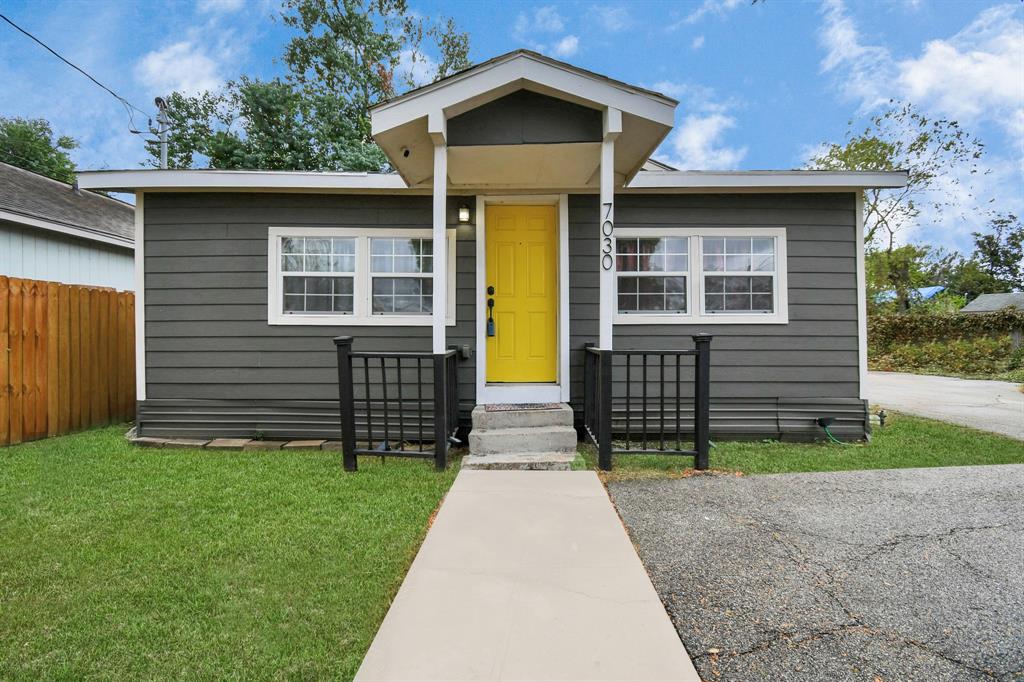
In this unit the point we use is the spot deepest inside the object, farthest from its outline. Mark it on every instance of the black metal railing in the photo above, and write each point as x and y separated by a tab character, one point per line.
634	401
396	404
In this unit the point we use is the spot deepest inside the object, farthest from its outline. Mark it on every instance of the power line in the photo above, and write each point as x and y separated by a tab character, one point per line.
124	102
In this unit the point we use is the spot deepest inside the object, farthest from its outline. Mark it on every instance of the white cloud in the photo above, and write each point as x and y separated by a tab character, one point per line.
975	77
697	43
696	97
612	18
976	74
219	6
544	20
863	70
417	68
182	66
698	140
566	47
697	144
717	8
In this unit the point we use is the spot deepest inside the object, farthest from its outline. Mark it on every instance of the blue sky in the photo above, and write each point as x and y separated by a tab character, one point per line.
760	86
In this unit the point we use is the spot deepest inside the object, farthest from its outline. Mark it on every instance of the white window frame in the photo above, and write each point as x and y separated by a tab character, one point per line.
695	278
653	317
361	315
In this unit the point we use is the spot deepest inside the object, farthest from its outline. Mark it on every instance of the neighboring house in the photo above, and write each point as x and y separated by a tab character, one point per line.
53	231
249	274
989	303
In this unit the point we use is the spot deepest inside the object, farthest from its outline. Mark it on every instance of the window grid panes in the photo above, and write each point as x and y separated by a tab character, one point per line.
739	274
651	274
404	291
318	295
310	268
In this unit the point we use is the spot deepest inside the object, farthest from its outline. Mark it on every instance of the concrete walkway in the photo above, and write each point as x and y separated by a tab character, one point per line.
527	575
996	406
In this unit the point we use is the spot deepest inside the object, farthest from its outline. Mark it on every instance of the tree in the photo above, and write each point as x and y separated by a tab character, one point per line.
32	145
995	266
901	138
348	55
901	270
1001	252
192	123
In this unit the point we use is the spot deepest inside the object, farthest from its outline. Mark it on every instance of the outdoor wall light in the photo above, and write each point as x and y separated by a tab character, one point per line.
464	213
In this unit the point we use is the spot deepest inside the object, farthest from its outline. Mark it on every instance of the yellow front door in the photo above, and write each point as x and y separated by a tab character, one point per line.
522	268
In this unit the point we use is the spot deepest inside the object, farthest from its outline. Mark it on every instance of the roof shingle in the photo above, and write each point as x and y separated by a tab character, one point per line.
36	196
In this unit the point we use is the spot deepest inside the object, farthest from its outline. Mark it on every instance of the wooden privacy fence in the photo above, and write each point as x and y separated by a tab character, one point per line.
67	358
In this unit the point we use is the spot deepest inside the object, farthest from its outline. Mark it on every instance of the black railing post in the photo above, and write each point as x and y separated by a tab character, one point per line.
440	413
702	402
588	392
604	407
346	402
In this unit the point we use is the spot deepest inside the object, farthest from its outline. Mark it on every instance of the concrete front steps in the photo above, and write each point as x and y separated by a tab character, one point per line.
536	438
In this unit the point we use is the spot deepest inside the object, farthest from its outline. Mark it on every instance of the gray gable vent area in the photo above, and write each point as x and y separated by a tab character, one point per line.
525	117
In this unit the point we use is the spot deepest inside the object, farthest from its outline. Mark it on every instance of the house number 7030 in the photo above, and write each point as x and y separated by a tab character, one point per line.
607	232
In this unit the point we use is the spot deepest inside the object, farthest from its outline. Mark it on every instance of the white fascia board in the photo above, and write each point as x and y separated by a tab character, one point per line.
463	90
228	179
72	230
768	179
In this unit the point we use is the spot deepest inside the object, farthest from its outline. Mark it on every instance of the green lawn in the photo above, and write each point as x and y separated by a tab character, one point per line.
121	562
904	442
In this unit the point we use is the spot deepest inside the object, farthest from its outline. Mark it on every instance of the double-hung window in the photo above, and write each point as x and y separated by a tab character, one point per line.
651	274
700	276
400	276
353	276
739	275
318	275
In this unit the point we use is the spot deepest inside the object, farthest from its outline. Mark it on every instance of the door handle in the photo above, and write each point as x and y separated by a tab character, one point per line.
490	312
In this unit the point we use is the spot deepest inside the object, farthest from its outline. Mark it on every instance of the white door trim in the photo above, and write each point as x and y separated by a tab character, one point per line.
522	393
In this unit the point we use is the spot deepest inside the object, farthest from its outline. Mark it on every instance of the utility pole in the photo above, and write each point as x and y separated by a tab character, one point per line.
163	125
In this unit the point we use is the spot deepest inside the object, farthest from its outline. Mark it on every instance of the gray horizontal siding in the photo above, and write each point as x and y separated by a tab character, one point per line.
215	367
207	335
731	418
779	376
525	117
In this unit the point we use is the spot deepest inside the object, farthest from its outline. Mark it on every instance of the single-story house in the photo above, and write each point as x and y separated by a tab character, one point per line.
990	303
523	221
53	231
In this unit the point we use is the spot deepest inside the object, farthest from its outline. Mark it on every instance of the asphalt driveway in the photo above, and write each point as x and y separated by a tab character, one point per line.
996	406
911	574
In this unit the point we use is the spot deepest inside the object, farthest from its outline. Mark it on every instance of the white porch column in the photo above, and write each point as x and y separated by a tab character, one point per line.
612	128
436	127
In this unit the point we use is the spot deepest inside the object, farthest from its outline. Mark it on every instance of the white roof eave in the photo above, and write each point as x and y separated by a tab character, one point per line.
463	90
791	179
392	183
131	180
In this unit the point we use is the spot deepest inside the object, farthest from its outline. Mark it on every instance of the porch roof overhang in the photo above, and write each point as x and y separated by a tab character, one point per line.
649	182
408	127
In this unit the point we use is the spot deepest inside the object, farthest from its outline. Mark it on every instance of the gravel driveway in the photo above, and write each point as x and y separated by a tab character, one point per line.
912	574
996	406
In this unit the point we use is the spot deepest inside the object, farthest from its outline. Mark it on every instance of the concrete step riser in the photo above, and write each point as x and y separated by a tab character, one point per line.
510	419
539	461
544	439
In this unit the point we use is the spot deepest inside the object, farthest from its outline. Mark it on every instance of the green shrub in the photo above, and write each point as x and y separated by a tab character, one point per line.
985	355
1016	359
889	330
